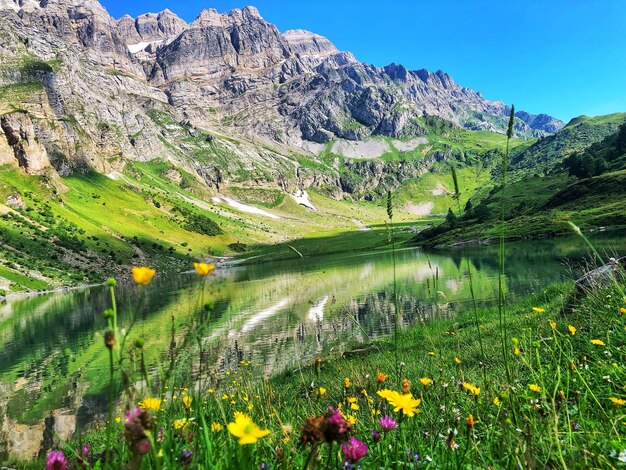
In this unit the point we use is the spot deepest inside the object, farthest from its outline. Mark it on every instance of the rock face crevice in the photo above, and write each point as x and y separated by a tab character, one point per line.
93	92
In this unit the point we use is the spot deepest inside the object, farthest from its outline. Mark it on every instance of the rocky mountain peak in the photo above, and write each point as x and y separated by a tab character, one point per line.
307	43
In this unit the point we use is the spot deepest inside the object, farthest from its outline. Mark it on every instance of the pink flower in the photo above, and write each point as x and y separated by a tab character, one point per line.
335	426
56	460
131	415
387	423
354	450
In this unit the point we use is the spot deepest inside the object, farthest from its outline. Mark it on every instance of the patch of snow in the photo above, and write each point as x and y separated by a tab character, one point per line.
423	208
316	313
134	48
244	207
302	198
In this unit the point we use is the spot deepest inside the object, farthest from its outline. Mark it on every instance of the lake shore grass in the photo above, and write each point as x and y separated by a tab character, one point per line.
448	406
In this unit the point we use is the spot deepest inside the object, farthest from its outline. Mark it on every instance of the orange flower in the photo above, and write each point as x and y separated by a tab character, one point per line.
426	381
346	382
470	421
380	377
553	325
143	275
622	310
406	386
203	269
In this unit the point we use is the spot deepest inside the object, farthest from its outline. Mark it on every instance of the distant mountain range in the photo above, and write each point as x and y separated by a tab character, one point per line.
84	91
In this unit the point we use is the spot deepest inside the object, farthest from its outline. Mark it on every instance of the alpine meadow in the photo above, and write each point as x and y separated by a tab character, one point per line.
228	244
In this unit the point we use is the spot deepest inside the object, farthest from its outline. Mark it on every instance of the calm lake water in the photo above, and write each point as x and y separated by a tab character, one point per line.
54	366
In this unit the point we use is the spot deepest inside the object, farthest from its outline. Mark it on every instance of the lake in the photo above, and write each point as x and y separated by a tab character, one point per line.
54	366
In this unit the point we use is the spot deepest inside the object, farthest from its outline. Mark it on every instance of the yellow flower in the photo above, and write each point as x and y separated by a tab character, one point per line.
351	399
211	390
286	440
380	377
225	396
346	382
245	429
516	350
496	401
471	388
618	401
321	391
203	269
216	427
572	330
538	310
150	404
405	403
597	342
431	353
553	325
354	406
118	420
457	360
534	387
180	423
143	275
349	418
386	393
426	381
187	401
622	310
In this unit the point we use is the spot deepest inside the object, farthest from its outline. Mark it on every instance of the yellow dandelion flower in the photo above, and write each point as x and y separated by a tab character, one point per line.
321	391
622	310
496	401
118	420
354	407
534	387
211	390
216	427
597	342
187	400
246	430
618	401
346	382
553	325
431	353
457	360
471	388
181	423
571	329
203	269
143	275
426	381
150	404
405	403
538	310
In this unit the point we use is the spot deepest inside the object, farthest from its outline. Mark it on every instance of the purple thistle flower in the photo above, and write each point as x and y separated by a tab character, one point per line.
375	435
336	422
186	457
387	423
131	414
353	450
56	461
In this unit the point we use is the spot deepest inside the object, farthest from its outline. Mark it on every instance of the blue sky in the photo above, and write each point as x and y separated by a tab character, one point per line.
561	57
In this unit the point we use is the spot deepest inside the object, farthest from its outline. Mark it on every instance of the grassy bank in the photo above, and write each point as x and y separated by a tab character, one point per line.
454	407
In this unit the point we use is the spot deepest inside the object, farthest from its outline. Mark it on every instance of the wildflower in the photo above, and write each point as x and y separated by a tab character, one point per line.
575	426
496	401
84	451
346	382
618	401
245	429
138	425
185	457
405	403
426	381
622	456
457	360
211	390
470	421
534	387
375	435
203	269
321	391
354	450
387	423
553	325
312	431
597	342
622	310
571	329
538	310
380	377
187	401
431	353
406	386
216	427
471	388
354	406
335	425
151	404
143	275
56	460
386	393
181	423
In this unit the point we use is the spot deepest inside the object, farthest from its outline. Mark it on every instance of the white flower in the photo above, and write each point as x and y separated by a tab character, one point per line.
622	456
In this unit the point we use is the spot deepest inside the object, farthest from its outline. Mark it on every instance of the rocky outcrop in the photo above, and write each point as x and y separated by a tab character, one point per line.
19	134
